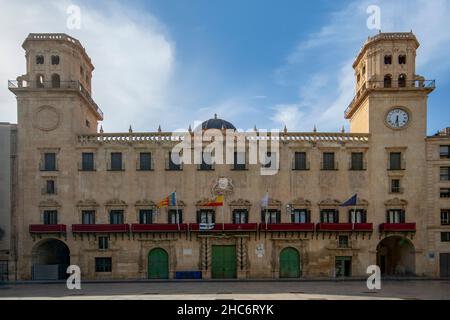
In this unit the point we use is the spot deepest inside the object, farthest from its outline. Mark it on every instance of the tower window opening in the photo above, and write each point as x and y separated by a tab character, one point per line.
402	59
388	59
402	81
39	81
40	59
55	60
56	81
387	81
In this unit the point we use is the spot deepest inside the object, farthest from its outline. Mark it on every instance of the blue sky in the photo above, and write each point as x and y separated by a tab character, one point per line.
264	63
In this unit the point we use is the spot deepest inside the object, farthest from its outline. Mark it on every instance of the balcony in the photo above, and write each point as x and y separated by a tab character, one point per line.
76	86
100	228
47	228
363	227
292	227
397	227
154	227
334	227
369	86
231	227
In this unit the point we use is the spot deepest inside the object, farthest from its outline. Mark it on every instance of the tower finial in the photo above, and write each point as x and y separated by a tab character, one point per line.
190	128
215	115
254	128
315	129
130	130
285	129
159	128
343	129
101	129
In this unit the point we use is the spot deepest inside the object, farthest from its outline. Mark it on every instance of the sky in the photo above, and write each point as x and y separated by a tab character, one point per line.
255	62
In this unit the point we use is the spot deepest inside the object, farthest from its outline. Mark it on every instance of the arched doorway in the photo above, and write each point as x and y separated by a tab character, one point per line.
289	263
396	256
158	264
50	259
56	81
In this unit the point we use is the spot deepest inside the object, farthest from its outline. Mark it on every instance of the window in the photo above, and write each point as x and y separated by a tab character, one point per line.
343	242
206	164
50	217
300	161
40	59
174	163
445	192
395	186
357	216
206	216
175	217
395	161
444	152
88	124
49	162
402	80
56	81
81	71
116	161
145	216
300	216
445	174
395	216
103	243
88	217
271	216
445	217
87	161
50	187
445	236
387	59
388	81
328	161
402	59
329	216
357	162
240	216
239	161
55	60
116	217
145	161
103	265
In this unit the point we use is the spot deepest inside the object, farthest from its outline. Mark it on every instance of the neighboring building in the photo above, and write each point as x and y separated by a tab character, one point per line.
8	175
89	198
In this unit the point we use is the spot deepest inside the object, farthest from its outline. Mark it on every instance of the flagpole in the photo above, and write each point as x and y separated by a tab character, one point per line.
223	212
176	208
267	207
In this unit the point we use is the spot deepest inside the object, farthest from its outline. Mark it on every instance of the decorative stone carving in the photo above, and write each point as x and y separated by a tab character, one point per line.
240	203
116	203
301	202
145	203
396	202
329	203
87	203
49	203
222	186
46	118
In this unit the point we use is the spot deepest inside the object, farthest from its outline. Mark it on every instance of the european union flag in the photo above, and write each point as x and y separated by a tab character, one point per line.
350	202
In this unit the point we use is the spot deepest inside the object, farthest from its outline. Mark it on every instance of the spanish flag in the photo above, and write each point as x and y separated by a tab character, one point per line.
170	200
218	202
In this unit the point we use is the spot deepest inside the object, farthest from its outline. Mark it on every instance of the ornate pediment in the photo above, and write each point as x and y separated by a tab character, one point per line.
145	203
362	202
274	202
240	203
329	203
202	202
301	202
49	203
116	203
87	203
396	202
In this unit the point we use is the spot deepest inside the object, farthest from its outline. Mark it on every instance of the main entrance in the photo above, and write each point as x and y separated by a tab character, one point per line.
444	265
224	262
158	264
50	260
396	256
289	263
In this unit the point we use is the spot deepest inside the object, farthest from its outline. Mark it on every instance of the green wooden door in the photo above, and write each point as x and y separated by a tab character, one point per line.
223	262
289	263
158	264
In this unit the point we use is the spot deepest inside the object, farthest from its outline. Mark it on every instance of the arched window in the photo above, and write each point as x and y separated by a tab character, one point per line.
55	60
387	59
39	81
402	81
56	81
402	59
39	59
387	81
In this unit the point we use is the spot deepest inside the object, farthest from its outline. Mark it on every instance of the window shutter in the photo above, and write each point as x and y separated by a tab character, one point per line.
246	216
336	215
402	219
214	217
181	215
278	216
308	216
263	219
387	217
198	216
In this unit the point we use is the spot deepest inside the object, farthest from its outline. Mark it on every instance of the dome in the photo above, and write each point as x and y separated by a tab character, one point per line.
216	123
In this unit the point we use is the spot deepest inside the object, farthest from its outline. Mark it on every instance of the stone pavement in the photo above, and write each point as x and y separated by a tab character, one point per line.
244	290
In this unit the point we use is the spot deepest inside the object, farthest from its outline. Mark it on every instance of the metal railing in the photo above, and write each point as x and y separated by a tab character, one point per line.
390	85
56	85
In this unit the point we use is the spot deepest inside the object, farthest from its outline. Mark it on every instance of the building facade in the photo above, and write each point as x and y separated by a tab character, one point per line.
89	198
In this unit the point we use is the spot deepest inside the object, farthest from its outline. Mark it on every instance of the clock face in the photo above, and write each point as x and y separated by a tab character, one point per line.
397	118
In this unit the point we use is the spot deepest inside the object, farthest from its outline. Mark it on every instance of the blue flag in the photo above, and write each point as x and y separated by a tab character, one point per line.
350	202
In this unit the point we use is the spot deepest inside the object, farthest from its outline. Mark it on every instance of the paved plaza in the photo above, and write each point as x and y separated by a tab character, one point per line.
248	290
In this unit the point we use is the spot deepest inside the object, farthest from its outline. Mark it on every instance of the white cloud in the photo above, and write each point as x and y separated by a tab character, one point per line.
324	95
133	56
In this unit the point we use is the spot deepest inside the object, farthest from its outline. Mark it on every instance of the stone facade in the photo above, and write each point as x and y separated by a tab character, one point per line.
57	116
